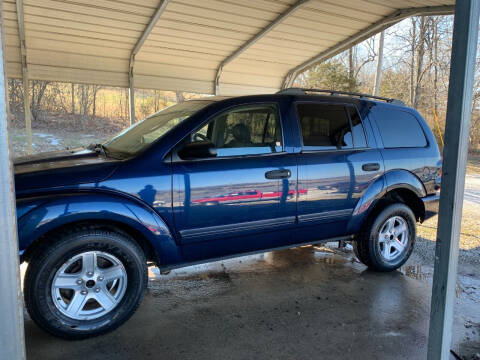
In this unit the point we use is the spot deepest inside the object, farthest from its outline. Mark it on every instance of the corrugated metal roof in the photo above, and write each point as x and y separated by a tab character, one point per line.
90	41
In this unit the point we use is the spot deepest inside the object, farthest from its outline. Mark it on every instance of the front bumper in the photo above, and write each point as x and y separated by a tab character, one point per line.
431	205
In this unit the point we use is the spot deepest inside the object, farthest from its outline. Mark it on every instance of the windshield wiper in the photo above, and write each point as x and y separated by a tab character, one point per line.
99	148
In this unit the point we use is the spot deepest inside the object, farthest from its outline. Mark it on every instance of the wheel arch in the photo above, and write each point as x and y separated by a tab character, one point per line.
117	213
80	225
394	186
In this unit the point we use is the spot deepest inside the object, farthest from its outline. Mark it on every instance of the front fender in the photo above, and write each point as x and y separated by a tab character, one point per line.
395	179
37	217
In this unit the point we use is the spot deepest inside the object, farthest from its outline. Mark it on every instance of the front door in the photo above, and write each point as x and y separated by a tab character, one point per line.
244	198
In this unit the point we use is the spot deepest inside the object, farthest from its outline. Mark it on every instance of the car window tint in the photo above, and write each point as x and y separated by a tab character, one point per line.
324	126
359	139
399	129
246	130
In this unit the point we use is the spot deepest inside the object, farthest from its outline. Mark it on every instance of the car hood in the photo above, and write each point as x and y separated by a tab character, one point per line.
61	168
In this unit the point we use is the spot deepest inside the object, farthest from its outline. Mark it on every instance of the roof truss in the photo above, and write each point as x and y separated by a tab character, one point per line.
131	81
254	39
364	34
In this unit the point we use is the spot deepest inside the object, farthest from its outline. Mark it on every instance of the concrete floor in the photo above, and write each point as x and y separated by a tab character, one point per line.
303	303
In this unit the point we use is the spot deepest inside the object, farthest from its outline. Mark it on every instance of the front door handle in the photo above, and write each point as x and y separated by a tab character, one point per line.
371	167
278	174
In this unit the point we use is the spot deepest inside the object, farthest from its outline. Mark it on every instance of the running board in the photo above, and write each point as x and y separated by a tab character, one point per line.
164	270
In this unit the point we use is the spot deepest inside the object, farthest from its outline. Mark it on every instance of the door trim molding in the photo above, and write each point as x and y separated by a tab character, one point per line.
324	216
239	229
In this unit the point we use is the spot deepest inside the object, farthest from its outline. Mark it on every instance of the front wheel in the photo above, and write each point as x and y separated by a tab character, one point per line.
85	283
387	239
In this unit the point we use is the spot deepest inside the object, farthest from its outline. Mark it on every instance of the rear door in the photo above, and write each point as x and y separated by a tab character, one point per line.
334	168
243	199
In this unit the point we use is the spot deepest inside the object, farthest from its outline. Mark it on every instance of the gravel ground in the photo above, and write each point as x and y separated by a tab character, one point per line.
469	255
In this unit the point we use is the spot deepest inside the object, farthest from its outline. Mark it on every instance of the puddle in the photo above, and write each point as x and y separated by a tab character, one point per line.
275	260
215	278
190	287
417	272
469	347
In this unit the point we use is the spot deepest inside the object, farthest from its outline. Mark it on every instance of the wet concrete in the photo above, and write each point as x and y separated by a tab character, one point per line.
303	303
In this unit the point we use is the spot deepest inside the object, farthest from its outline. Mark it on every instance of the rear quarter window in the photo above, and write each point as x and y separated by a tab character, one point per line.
399	129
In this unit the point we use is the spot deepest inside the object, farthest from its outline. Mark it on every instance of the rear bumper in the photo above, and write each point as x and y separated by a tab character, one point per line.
431	205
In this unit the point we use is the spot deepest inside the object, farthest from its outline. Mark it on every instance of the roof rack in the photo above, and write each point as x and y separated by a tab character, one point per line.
304	91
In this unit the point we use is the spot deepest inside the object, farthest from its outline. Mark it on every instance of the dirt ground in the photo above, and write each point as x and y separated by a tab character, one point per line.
48	140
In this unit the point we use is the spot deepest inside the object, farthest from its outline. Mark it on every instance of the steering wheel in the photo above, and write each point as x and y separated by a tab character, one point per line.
200	137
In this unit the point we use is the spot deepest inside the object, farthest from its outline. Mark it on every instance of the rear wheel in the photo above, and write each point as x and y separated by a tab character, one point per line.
387	239
85	283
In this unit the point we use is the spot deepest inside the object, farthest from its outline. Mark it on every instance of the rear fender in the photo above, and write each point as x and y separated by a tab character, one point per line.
403	179
395	179
65	209
374	192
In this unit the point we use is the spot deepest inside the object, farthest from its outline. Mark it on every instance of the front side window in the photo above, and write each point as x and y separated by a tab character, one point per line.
246	130
324	126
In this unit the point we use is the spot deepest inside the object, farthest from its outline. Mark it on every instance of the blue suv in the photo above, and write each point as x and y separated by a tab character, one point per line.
214	178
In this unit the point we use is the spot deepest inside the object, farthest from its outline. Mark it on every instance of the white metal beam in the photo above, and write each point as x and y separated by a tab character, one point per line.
26	82
131	90
12	342
253	40
459	108
364	34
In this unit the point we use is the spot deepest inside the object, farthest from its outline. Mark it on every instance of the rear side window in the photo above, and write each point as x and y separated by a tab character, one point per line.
324	126
399	129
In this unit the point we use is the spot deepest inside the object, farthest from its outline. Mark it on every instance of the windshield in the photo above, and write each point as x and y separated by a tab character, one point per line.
140	135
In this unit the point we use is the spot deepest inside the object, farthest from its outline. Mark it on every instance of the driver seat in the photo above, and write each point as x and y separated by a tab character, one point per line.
241	136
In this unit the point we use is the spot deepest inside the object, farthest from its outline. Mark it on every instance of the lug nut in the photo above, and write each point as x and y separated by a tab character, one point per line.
100	278
84	292
79	281
97	290
90	274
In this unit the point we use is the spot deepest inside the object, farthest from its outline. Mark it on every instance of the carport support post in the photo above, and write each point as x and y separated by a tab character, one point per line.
26	107
131	91
12	344
464	46
26	82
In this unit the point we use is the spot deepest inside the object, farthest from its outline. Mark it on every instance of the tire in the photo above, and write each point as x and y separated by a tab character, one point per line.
52	282
382	244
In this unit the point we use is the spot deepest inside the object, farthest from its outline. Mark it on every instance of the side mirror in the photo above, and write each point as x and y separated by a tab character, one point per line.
197	150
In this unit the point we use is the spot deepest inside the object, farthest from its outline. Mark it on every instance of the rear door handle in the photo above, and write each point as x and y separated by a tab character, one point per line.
371	167
278	174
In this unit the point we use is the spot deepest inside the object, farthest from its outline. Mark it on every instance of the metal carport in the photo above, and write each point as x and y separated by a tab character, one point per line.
220	47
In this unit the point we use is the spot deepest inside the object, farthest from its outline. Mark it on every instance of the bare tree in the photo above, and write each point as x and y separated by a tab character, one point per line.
180	97
378	73
38	91
73	99
413	40
422	33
